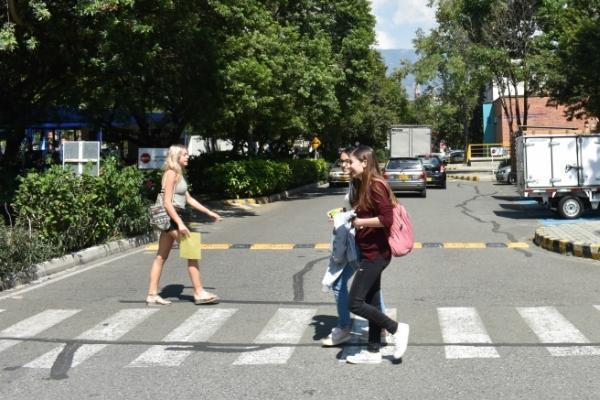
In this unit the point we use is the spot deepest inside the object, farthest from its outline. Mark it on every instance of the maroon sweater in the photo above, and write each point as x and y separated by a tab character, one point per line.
373	242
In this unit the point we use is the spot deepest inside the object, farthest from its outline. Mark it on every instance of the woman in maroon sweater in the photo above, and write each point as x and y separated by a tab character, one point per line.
374	203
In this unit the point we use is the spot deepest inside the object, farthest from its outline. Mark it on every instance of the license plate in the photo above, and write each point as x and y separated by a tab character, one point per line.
428	179
403	177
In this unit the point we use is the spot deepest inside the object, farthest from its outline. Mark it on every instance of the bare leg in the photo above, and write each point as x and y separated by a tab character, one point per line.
201	296
165	242
194	272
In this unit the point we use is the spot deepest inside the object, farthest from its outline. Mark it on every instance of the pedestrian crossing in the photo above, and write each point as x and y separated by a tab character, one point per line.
287	331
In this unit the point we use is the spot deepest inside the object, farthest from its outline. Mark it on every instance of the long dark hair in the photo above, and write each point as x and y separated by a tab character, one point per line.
370	175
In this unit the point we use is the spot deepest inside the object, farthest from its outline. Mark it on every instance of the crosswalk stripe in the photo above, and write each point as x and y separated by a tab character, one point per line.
285	327
463	325
550	326
33	325
110	329
199	327
360	336
1	310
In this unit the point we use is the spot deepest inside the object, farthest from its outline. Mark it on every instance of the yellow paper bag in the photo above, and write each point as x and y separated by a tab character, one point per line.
190	246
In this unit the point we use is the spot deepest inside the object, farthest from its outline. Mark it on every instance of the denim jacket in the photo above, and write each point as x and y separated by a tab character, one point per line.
343	248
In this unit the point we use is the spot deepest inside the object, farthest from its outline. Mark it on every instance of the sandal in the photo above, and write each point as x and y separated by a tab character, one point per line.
156	300
206	298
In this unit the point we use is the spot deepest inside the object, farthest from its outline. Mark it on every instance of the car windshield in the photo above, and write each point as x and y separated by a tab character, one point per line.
403	164
431	162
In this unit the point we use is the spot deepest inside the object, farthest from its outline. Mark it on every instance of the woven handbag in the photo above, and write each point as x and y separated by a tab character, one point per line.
159	218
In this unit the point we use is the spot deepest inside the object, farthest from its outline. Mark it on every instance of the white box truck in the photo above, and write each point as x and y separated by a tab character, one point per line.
561	171
409	140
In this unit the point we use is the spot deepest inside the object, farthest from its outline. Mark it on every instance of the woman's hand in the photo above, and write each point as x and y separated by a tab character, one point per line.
216	217
183	230
357	223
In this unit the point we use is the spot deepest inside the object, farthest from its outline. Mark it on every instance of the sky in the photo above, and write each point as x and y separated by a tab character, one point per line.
397	21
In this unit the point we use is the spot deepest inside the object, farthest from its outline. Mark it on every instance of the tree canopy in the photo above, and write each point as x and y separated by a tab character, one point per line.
244	70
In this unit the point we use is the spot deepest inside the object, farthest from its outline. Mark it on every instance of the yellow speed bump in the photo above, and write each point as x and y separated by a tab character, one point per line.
322	246
152	247
272	246
464	245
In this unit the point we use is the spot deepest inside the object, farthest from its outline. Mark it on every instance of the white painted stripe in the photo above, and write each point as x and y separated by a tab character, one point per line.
198	328
550	326
48	280
33	325
1	310
360	336
110	329
285	327
463	325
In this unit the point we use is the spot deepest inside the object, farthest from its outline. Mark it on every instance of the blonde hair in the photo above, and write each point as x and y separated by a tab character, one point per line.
172	161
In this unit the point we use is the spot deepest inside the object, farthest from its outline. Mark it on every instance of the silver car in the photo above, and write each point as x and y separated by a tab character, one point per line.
337	176
504	175
406	174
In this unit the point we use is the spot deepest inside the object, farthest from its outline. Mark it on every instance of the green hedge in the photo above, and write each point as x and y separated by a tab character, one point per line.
20	250
256	177
73	212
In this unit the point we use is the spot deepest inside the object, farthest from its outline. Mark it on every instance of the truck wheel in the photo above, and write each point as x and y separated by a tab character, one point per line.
570	207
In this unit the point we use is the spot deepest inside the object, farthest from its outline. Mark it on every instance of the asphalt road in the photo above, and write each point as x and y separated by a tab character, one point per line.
487	320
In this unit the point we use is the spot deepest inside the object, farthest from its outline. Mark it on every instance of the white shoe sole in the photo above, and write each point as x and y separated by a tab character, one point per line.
352	360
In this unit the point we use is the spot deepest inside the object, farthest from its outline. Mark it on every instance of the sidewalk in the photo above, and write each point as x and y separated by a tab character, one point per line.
581	239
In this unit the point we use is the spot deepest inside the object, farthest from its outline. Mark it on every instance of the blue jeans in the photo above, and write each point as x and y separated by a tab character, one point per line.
340	292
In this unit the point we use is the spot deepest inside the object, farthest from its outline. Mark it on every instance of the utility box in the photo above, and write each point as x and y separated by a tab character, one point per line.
561	171
409	140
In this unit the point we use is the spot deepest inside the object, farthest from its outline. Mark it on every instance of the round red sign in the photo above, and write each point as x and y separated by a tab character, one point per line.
145	158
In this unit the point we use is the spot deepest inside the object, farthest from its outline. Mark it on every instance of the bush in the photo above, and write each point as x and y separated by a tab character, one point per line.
20	250
73	212
305	171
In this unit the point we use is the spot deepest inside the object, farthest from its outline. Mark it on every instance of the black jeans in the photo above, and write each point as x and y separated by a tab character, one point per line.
365	302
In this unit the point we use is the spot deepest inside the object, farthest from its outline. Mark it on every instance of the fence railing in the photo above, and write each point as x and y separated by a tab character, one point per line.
487	152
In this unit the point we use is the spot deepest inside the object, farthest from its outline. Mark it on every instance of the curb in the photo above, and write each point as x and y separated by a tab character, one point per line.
566	247
91	254
268	199
465	177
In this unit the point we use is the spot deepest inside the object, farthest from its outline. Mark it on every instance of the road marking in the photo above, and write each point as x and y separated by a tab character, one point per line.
1	310
463	325
550	326
110	329
466	245
272	246
60	276
360	335
198	328
33	325
285	327
326	246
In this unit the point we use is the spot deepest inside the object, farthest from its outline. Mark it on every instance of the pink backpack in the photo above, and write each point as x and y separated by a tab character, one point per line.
401	238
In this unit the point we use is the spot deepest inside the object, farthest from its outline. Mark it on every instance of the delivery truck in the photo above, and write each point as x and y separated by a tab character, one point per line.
561	171
409	140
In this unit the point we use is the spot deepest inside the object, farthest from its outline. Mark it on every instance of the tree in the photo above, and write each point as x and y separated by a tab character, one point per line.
573	42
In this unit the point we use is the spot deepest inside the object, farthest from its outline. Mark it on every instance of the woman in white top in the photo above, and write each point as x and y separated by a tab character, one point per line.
174	187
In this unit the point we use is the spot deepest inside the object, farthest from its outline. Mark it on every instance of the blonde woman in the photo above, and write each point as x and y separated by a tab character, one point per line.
176	197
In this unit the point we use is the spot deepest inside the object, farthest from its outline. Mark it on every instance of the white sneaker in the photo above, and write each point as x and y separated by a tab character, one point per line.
365	357
337	336
401	340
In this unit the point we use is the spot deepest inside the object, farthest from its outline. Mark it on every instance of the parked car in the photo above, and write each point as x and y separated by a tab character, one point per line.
504	173
435	170
406	174
457	156
337	176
